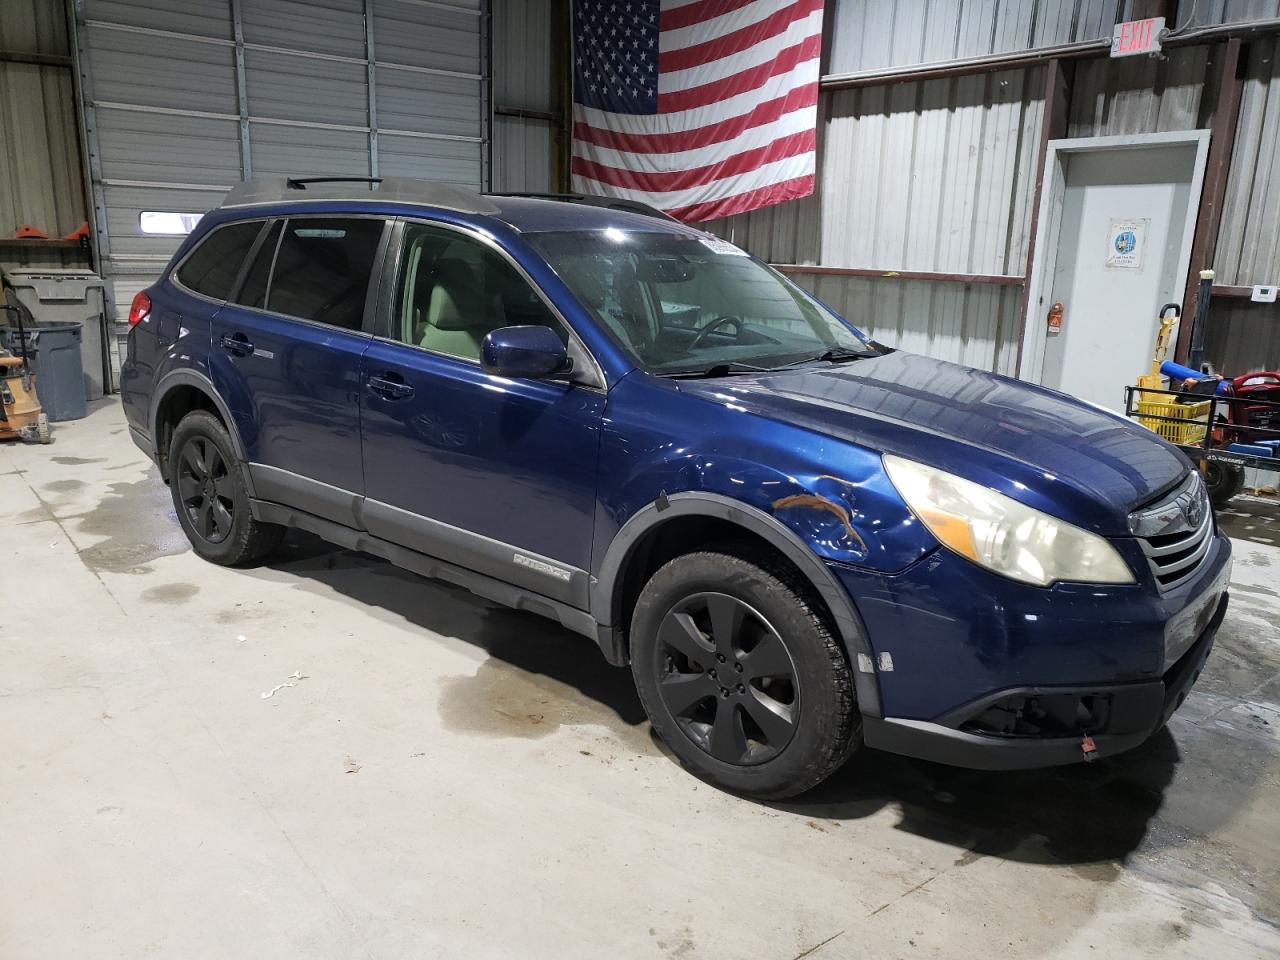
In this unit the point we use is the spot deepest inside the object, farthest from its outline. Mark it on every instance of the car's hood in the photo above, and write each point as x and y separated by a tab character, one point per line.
1043	447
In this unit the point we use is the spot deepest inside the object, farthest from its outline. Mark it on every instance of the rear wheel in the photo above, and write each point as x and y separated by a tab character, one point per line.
740	675
209	495
1223	480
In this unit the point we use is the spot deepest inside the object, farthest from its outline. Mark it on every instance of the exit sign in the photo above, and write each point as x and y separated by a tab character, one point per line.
1137	37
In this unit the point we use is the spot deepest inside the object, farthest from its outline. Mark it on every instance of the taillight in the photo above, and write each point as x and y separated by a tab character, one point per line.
140	309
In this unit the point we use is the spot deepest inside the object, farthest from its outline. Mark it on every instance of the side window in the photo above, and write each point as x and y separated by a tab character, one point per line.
322	269
212	268
453	290
254	291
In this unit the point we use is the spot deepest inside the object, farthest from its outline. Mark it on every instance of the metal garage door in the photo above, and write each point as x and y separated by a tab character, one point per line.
184	98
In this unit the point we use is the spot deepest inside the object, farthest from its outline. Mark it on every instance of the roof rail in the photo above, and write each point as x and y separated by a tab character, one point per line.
612	203
392	189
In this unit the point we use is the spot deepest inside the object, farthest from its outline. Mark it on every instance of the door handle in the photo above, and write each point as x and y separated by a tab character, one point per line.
389	386
236	344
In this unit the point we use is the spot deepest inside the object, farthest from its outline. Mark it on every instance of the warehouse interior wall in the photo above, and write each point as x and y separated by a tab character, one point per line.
919	232
530	94
920	227
40	167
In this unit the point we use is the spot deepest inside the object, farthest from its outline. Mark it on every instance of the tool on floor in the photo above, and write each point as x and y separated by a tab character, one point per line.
21	416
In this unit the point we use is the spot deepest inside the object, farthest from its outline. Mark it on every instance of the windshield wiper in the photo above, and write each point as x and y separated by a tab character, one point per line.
834	355
724	369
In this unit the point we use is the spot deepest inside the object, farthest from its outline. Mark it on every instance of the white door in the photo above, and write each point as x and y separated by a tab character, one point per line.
1123	232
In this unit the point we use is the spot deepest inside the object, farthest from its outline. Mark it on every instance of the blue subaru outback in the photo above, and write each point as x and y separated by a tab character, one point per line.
801	541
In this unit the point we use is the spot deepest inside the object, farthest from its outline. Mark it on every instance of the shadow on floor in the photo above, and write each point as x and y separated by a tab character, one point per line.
1084	814
1090	816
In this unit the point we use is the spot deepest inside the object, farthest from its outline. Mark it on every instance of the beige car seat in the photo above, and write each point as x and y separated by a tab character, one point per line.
456	317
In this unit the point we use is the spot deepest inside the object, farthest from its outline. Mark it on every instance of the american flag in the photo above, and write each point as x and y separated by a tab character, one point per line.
703	108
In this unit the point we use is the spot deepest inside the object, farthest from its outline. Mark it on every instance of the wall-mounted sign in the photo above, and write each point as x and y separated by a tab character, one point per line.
1126	244
1137	37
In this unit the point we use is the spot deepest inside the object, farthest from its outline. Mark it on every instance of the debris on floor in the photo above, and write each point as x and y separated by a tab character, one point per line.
290	681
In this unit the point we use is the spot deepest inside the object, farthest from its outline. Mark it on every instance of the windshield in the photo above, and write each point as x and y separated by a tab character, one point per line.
680	304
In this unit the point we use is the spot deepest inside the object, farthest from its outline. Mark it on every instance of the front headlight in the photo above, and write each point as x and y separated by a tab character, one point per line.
1002	534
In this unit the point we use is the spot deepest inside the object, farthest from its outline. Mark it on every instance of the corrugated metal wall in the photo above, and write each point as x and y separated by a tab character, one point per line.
938	175
1142	94
1204	13
40	182
1242	335
185	98
874	34
524	80
932	176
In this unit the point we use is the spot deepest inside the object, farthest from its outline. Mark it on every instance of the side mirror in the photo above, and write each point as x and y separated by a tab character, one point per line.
526	351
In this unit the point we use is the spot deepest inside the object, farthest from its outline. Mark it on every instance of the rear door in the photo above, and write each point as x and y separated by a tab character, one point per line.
286	358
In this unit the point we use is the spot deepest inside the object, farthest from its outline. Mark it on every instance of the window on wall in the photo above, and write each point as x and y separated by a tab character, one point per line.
453	290
213	267
322	269
167	223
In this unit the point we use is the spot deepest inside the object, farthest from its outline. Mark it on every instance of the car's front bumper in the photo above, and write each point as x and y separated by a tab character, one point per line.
1135	712
975	670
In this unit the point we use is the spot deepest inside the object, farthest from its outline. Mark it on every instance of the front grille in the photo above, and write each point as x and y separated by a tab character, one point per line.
1176	533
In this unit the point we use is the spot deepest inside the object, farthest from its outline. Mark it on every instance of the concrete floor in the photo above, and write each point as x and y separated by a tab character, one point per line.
452	779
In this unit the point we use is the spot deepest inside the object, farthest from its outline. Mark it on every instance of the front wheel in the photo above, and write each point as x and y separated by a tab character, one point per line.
741	676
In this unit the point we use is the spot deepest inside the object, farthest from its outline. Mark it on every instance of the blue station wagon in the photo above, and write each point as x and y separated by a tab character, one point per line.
801	541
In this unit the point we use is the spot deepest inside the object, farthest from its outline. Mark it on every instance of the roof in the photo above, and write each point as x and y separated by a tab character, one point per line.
268	190
537	215
528	213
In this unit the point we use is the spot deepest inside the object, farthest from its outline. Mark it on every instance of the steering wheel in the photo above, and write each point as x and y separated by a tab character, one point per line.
714	325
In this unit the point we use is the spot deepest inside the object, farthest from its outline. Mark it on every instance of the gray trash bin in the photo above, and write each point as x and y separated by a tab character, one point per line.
53	350
59	296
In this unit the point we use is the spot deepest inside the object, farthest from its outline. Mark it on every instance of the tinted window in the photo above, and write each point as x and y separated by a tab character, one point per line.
254	291
212	268
453	290
322	269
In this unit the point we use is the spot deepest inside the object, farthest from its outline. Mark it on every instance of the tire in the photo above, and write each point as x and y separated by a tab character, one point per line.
740	674
206	481
1224	481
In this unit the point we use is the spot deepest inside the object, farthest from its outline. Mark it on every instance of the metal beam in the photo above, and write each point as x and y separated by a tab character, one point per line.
1053	126
35	59
522	114
989	63
91	157
242	92
562	95
1222	140
998	279
486	95
371	86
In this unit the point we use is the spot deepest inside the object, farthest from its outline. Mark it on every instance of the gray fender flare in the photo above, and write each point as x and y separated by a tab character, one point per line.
193	378
779	535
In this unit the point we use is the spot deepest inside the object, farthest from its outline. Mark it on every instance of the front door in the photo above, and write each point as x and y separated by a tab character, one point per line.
1125	221
286	358
496	475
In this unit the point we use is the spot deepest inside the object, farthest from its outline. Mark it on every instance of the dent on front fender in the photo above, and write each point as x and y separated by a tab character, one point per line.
834	495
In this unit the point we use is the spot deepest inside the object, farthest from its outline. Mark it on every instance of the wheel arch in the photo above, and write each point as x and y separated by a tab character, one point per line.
177	394
609	586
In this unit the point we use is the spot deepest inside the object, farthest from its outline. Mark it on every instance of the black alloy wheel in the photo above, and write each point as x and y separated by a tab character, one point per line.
205	488
741	673
728	679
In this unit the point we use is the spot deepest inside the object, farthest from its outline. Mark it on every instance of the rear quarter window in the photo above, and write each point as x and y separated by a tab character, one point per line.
322	269
213	266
